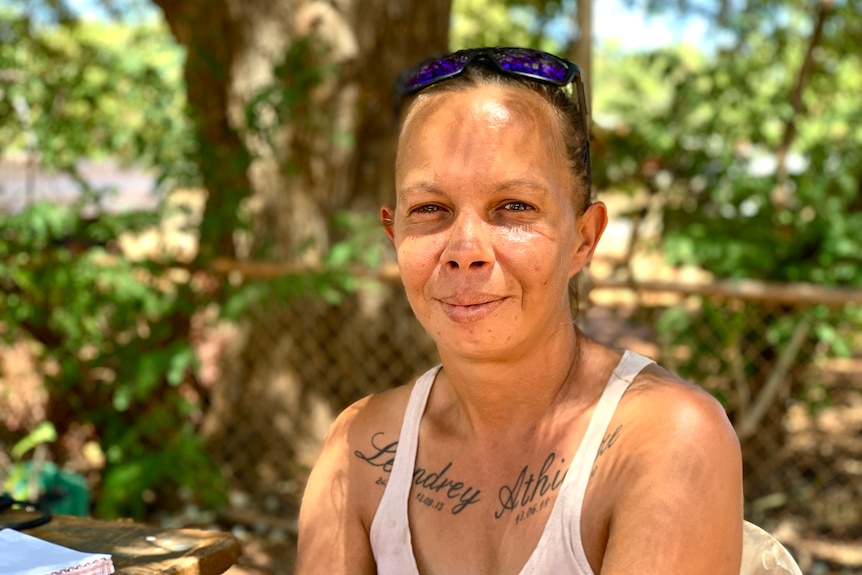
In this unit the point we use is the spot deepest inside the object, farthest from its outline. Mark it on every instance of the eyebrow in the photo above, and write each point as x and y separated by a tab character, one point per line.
419	187
512	184
521	183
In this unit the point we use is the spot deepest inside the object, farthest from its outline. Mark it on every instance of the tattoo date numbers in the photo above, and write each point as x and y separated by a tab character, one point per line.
430	502
526	494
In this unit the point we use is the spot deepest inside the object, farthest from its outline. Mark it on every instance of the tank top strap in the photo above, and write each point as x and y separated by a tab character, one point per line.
625	372
408	439
630	366
390	537
575	483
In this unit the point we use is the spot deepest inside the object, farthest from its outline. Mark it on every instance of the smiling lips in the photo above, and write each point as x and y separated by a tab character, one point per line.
467	309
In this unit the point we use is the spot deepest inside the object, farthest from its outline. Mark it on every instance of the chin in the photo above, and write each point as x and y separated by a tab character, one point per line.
488	344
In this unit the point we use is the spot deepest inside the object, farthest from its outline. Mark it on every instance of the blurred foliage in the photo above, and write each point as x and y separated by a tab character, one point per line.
543	24
284	101
751	148
72	89
347	267
113	332
756	149
114	349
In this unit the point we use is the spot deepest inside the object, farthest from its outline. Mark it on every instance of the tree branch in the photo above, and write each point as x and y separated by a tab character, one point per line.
750	420
796	102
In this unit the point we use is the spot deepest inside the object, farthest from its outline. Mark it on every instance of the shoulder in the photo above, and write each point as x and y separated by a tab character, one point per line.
380	412
671	425
674	409
366	430
359	448
664	424
346	484
379	415
674	481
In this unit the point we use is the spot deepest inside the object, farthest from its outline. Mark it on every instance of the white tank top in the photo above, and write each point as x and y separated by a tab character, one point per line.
559	549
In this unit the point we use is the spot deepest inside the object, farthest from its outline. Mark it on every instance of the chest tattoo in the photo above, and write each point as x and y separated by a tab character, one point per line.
436	489
530	492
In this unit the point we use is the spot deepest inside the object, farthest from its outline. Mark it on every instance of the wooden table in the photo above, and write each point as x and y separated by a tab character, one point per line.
138	549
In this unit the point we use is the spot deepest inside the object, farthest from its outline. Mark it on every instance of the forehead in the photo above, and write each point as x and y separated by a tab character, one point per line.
487	123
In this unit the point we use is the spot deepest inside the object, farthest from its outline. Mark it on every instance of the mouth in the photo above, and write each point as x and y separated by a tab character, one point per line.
470	309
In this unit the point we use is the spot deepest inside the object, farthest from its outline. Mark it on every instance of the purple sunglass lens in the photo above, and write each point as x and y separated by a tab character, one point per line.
436	70
534	64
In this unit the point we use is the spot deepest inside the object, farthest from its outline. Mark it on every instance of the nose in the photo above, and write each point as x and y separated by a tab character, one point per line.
469	244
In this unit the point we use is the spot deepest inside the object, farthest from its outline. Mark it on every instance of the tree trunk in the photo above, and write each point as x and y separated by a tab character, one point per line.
222	157
581	50
334	150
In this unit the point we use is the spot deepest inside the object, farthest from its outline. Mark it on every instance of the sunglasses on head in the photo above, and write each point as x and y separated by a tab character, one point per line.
526	63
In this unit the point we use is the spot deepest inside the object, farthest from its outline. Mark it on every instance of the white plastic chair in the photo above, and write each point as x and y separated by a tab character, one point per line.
762	554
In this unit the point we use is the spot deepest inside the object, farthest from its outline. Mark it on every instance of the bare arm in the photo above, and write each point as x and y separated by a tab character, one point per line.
333	537
679	503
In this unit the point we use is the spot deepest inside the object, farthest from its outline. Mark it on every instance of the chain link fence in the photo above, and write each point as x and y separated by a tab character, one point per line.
786	362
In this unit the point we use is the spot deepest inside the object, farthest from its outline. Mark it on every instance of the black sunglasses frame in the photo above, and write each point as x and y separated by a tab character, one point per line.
38	513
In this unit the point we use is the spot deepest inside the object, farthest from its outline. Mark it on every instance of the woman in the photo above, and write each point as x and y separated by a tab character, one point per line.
532	449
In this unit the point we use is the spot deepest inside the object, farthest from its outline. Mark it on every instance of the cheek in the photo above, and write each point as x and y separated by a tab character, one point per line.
416	260
518	241
533	253
522	234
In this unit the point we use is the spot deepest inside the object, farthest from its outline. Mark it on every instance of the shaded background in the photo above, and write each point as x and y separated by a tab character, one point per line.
193	283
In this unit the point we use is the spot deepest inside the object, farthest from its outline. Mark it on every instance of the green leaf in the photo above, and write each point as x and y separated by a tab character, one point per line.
44	433
180	361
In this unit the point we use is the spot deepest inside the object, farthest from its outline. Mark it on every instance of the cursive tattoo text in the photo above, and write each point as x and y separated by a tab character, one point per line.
528	491
438	488
607	442
446	487
383	456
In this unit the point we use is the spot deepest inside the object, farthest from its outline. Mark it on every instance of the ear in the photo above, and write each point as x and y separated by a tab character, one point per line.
387	218
591	225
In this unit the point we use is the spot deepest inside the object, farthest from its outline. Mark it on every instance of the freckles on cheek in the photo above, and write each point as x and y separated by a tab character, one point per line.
526	247
419	252
414	264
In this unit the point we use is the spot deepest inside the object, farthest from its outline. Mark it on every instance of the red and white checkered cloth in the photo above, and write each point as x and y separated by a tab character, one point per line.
101	566
23	554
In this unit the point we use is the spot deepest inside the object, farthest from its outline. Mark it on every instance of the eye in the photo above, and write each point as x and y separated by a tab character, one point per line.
425	209
518	206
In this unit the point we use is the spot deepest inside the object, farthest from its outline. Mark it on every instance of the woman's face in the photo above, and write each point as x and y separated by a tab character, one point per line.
484	227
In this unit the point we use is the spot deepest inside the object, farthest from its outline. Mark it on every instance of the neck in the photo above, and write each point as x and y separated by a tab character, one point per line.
515	394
